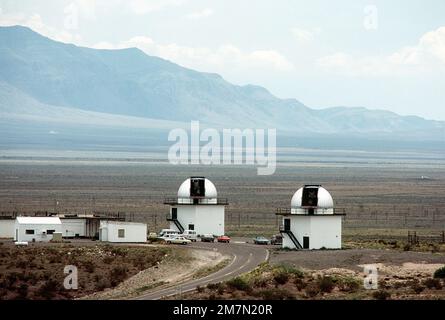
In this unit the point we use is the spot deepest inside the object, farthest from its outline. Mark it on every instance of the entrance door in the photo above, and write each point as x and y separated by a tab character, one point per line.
175	213
16	234
286	224
305	242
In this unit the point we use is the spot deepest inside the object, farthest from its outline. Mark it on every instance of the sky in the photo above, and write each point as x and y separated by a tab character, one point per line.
376	54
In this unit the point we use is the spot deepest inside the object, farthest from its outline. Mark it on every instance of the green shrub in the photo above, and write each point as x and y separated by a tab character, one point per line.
291	270
349	284
326	284
275	294
440	273
281	277
407	247
381	295
238	283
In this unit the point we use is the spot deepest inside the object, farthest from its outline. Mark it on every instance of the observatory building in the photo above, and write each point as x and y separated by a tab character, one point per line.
311	222
197	207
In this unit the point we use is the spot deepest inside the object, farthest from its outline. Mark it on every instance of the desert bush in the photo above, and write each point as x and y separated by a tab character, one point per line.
407	247
291	270
108	259
119	251
22	291
312	290
118	274
260	282
21	264
102	284
348	284
238	283
215	286
200	289
275	294
281	277
381	295
300	284
89	266
433	283
417	288
440	273
326	284
48	290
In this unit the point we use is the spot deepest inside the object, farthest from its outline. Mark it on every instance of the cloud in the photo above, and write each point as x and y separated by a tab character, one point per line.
141	7
203	58
426	56
303	35
35	22
200	14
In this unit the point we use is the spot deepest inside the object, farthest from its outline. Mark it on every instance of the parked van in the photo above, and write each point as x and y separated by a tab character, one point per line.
190	234
168	233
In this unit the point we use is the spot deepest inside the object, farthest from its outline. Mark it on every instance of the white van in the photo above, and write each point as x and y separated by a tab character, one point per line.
168	233
190	234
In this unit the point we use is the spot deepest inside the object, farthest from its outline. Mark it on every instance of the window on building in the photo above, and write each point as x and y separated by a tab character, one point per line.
121	233
29	231
50	231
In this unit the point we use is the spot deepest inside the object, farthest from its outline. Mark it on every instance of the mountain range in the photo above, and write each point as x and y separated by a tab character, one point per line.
43	81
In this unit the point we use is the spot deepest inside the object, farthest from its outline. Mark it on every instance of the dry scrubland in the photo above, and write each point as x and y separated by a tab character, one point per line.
287	282
36	272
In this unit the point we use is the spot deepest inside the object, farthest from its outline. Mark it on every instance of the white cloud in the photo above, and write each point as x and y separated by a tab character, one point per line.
202	58
303	35
200	14
427	55
146	6
35	22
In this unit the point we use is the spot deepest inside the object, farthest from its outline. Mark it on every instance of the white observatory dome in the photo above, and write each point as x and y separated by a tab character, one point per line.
324	198
209	189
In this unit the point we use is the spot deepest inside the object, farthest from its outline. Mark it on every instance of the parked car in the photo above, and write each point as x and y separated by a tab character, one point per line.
225	239
276	239
152	235
177	240
261	240
207	238
190	234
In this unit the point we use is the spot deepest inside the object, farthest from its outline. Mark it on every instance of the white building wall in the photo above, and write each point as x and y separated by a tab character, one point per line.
186	216
133	232
207	219
7	228
38	236
210	220
73	227
323	231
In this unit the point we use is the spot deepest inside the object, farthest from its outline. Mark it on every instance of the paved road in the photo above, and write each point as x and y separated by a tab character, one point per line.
246	257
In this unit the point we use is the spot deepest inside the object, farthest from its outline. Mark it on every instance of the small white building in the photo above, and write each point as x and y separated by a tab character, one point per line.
197	208
39	229
122	231
311	222
7	228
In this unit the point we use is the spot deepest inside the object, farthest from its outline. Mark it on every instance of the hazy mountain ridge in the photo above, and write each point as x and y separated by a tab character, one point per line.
40	75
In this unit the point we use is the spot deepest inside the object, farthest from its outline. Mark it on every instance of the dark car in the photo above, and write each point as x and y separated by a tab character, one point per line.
207	238
261	240
277	239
